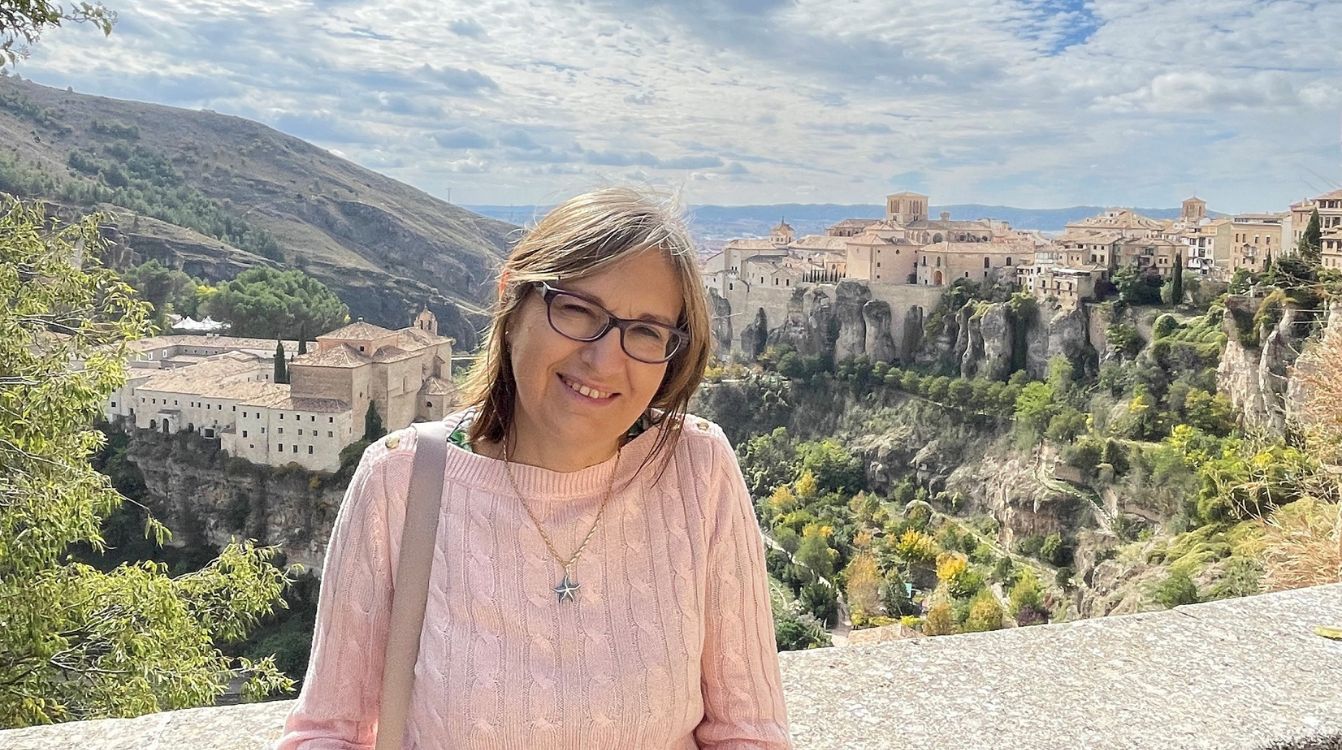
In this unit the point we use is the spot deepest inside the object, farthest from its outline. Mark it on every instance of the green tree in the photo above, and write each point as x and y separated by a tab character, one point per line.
1311	241
984	613
1035	407
302	339
77	642
1025	600
1177	280
1137	287
22	23
281	371
834	467
266	303
1176	590
372	424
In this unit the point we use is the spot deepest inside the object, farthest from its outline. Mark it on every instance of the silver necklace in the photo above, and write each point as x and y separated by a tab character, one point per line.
567	587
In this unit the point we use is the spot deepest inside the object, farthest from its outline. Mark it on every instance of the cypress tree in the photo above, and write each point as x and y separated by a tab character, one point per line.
372	424
1311	242
303	339
1177	281
281	372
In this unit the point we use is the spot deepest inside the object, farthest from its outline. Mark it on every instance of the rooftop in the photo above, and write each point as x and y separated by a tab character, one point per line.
1237	674
358	331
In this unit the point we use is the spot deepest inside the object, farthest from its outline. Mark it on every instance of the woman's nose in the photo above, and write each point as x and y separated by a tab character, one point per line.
606	353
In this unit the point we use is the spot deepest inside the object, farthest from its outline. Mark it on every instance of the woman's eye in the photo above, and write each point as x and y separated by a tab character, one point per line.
575	308
648	333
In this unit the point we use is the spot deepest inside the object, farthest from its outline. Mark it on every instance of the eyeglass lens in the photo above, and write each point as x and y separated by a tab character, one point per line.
582	320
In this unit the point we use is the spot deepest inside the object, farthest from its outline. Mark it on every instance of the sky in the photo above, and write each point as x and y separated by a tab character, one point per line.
1028	103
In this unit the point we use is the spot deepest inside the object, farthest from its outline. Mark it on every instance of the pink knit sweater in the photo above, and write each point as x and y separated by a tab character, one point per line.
669	644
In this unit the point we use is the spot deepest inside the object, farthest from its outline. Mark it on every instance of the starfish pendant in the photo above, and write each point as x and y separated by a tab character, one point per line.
566	589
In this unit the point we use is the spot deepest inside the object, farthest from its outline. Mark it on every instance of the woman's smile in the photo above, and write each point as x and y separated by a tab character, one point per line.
586	392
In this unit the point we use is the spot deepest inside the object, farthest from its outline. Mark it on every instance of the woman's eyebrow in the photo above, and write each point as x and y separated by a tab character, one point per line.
590	297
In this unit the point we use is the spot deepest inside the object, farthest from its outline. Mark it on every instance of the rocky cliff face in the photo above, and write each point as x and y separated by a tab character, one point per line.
205	497
1258	375
987	340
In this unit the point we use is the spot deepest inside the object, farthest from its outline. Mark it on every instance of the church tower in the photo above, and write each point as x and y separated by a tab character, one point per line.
426	321
1194	210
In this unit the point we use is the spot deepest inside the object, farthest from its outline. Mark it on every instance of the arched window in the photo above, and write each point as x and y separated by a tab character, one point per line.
1008	260
985	262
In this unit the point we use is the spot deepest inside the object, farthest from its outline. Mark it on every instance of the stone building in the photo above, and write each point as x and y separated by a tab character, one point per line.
1329	206
222	388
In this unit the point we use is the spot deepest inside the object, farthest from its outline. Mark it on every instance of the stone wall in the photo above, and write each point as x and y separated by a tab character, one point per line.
1238	674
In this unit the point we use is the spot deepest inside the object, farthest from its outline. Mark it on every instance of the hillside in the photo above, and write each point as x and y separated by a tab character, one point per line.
213	194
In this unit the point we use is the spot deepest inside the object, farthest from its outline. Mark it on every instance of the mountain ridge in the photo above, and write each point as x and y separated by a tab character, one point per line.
175	180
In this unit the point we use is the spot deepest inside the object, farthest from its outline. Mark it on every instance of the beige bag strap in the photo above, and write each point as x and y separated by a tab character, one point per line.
412	581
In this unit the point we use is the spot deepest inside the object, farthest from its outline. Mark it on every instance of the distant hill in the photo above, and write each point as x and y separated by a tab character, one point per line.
213	194
714	225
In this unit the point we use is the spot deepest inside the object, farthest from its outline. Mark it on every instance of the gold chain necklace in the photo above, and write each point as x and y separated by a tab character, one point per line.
567	587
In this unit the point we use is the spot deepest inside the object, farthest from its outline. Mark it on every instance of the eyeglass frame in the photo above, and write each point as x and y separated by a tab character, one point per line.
679	335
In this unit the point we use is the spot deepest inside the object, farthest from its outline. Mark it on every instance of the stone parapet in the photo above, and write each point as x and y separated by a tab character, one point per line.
1247	674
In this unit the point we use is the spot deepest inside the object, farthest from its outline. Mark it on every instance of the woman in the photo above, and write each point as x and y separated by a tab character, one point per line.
598	577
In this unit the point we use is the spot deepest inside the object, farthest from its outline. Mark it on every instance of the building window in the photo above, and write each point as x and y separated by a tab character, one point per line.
330	420
985	261
309	450
113	404
1008	260
279	430
235	407
263	430
300	431
295	448
244	433
330	434
280	446
312	418
281	415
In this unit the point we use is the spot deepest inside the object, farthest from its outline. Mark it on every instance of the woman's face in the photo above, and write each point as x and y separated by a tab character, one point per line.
582	396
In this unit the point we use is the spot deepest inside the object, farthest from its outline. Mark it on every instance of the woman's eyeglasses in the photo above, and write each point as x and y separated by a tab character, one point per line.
581	319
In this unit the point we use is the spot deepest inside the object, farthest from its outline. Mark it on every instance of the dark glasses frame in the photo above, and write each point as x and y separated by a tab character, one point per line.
678	335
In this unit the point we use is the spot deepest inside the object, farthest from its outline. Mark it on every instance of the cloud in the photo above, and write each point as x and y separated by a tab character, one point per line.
468	28
1025	102
460	81
461	138
320	127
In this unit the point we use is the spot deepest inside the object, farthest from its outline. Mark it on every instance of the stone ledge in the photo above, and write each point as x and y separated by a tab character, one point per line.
1241	674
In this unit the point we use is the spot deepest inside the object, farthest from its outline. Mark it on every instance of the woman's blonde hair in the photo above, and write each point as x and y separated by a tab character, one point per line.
583	236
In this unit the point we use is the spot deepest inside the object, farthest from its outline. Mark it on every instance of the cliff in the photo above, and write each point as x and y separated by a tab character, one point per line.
208	498
1265	336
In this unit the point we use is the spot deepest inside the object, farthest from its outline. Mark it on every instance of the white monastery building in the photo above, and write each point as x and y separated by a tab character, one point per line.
222	388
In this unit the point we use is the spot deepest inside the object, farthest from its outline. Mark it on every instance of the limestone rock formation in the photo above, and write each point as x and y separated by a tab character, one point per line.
848	303
880	343
206	497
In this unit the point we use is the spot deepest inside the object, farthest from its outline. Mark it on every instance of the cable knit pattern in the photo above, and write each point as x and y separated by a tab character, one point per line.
670	643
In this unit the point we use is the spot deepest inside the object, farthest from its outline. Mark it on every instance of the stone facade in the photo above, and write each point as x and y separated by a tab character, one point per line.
222	388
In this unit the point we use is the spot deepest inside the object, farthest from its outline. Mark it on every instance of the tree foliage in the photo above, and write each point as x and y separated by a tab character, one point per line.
1310	245
22	23
77	642
266	303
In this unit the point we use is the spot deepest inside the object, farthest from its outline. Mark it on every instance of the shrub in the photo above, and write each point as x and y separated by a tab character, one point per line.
1177	589
984	613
